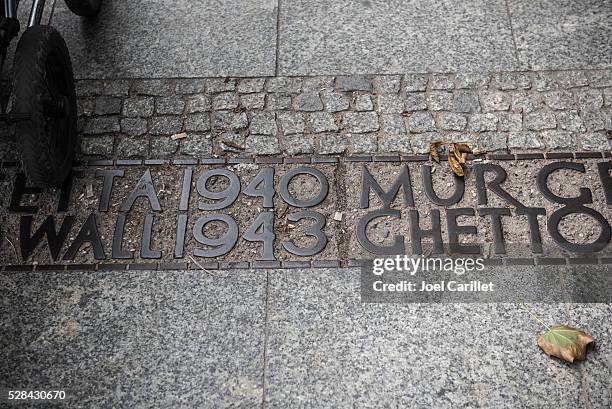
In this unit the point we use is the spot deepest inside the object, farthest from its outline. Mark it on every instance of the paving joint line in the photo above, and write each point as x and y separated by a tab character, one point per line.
516	52
265	341
282	265
277	59
274	160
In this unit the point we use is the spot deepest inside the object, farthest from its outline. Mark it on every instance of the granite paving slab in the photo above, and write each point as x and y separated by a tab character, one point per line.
562	34
156	38
376	36
327	349
141	339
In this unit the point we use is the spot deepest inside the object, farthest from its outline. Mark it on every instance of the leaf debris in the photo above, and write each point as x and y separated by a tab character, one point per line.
457	154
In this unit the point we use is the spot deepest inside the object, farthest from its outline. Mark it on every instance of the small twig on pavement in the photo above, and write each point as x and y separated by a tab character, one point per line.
210	273
14	249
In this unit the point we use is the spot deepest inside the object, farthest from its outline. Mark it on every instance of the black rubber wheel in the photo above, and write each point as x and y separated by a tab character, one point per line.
43	86
84	7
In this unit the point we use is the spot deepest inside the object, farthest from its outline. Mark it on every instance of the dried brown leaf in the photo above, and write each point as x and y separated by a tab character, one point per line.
455	151
433	150
479	151
464	147
565	342
455	165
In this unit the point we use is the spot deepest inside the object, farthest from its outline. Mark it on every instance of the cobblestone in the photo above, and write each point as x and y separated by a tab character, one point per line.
156	87
107	106
421	122
284	85
169	106
198	103
471	80
589	99
251	85
322	122
100	145
196	144
450	121
420	143
138	107
253	101
349	114
335	101
231	142
231	121
317	83
292	123
595	120
162	146
165	125
493	141
309	101
361	122
103	124
298	144
264	123
388	84
363	103
466	101
539	120
509	121
544	82
262	145
276	102
392	125
524	140
483	122
332	144
554	139
364	143
526	102
607	94
197	122
354	83
570	121
216	85
415	101
133	126
594	141
559	99
225	101
94	88
494	101
572	79
442	82
396	144
600	78
440	101
415	82
128	147
188	86
390	104
512	80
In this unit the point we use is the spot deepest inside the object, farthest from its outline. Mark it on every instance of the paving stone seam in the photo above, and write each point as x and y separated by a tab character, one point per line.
283	160
281	265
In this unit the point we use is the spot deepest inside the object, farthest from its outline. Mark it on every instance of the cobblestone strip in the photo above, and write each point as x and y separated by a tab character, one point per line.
505	112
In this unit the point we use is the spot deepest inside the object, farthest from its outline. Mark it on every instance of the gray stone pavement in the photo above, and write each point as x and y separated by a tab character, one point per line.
303	338
245	38
282	338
